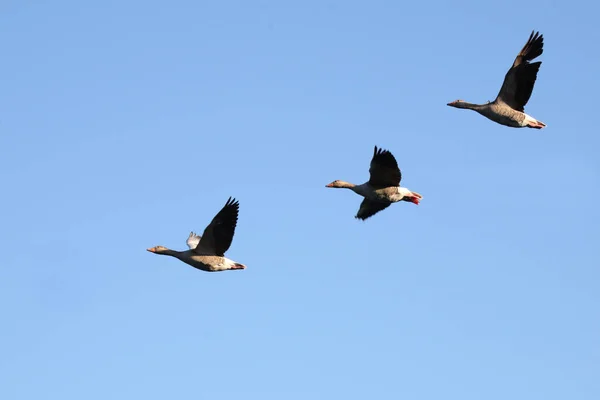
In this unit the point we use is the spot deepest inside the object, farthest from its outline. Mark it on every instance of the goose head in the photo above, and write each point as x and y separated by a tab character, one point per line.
158	250
339	184
458	104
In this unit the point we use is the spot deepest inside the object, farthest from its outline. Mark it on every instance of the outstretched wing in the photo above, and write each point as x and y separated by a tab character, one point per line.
218	235
520	78
384	170
193	240
368	208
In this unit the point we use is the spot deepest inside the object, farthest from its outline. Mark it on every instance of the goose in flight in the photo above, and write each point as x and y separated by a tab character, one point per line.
207	252
509	107
383	187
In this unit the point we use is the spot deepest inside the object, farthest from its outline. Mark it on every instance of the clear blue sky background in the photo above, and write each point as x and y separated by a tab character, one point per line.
127	124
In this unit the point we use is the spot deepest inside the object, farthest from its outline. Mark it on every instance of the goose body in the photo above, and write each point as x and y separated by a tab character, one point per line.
207	252
204	262
383	187
509	106
391	194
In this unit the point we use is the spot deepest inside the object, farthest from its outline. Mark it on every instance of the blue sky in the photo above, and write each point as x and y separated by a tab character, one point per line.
127	124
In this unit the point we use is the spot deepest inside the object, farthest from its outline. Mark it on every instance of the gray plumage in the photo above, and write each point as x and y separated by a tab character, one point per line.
509	106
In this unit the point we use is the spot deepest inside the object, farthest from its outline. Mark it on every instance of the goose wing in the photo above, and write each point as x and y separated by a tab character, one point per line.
384	170
193	240
520	78
218	235
368	208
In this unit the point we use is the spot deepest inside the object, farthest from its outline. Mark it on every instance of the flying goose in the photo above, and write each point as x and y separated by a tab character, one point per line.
207	252
383	187
508	108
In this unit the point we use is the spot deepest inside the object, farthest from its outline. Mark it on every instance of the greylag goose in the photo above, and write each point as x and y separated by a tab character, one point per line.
383	187
207	252
509	107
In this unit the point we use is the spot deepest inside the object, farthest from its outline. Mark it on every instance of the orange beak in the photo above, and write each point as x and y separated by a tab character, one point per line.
152	250
329	185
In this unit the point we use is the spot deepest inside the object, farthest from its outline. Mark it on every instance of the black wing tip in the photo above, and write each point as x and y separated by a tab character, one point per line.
534	46
363	217
384	157
232	202
229	212
379	151
535	36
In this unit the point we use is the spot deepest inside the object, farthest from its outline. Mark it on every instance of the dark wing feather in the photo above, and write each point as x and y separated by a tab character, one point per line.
218	235
384	170
520	78
368	208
